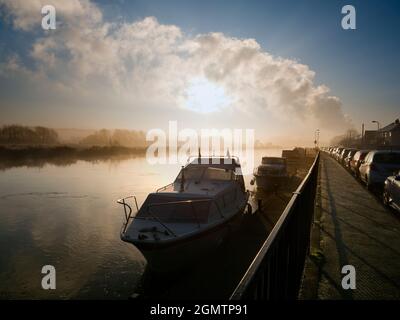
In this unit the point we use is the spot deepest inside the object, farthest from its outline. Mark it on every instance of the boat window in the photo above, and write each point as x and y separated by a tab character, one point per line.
268	170
273	161
218	174
191	173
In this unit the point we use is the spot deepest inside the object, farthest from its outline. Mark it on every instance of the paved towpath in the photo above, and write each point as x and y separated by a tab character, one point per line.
352	228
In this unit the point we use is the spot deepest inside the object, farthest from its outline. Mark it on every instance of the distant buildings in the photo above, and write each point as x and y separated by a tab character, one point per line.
370	139
386	137
390	135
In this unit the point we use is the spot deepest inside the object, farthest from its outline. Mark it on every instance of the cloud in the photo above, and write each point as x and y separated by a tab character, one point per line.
25	15
146	64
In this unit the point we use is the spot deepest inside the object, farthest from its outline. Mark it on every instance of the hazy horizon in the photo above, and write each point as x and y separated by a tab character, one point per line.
136	66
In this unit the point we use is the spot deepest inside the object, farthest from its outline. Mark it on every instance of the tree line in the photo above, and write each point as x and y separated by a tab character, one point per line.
22	135
118	137
32	136
351	139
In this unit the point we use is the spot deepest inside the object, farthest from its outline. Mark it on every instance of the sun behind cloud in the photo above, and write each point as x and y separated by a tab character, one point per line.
145	65
205	96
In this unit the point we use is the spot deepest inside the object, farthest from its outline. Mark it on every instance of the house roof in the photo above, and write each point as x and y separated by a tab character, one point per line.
393	126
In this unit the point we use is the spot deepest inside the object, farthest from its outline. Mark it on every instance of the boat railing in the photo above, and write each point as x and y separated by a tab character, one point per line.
128	209
128	214
165	187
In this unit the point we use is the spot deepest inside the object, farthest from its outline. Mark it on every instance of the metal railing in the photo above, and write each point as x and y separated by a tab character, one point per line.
276	271
165	187
127	206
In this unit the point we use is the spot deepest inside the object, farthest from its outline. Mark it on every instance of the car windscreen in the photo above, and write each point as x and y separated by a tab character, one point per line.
387	158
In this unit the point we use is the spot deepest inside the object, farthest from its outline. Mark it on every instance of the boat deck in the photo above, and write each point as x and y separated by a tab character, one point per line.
191	187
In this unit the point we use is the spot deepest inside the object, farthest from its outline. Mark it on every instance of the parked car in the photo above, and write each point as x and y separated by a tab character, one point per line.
377	166
350	155
355	162
339	156
343	155
391	191
337	153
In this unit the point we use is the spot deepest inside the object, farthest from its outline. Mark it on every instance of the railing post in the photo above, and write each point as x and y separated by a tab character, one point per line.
126	216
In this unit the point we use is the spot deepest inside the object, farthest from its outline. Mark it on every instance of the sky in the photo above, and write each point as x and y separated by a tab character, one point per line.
283	68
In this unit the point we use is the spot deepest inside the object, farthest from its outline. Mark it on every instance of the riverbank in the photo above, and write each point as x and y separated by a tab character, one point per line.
37	156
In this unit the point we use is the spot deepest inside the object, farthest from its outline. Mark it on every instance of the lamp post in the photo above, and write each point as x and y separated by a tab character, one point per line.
378	139
377	122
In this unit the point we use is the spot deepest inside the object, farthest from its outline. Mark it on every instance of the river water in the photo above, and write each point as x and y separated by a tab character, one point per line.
67	216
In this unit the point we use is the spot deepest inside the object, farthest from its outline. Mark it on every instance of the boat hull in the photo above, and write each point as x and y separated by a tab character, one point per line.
176	255
270	182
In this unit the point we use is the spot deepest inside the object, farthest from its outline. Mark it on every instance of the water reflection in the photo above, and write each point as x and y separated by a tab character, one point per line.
61	160
64	213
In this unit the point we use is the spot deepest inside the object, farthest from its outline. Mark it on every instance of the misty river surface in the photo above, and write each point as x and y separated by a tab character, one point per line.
67	216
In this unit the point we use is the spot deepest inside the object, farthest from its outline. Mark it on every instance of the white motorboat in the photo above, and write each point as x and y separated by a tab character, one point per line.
271	174
184	220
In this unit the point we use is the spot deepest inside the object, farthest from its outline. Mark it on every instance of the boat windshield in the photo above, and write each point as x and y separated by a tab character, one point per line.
218	174
192	173
200	173
176	210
